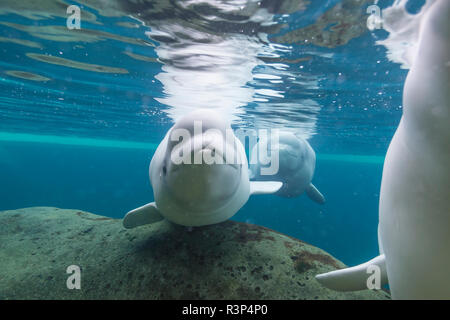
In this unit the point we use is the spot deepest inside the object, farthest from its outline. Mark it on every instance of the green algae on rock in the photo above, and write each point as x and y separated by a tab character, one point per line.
75	64
63	34
141	57
336	27
21	42
230	260
26	75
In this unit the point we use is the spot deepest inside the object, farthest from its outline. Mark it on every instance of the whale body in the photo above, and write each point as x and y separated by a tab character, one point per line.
414	207
297	161
199	174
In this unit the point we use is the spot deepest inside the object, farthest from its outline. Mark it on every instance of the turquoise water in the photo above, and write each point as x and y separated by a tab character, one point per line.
82	111
110	181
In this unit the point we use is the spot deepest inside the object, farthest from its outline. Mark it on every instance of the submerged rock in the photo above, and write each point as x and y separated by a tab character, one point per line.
230	260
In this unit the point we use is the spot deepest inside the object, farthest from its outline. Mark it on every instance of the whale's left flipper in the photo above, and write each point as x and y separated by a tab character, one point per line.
143	215
354	278
315	194
264	187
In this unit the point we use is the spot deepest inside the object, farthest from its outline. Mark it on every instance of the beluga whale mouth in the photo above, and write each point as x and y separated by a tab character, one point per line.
200	188
202	173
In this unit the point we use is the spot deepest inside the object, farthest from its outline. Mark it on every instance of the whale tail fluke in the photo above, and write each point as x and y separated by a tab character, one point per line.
314	194
143	215
355	278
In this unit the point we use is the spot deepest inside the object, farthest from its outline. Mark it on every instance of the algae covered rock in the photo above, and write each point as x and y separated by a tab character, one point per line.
230	260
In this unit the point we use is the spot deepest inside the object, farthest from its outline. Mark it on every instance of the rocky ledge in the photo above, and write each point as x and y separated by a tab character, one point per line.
230	260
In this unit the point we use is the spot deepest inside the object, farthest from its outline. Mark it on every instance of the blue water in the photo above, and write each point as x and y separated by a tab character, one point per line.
111	181
74	138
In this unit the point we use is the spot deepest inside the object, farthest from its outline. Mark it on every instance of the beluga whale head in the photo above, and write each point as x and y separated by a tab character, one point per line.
199	174
297	162
202	167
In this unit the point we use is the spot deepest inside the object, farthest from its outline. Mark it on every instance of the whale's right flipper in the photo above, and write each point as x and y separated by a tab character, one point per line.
264	187
315	194
354	278
143	215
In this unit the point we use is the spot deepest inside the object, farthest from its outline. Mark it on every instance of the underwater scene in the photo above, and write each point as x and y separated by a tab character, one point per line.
225	149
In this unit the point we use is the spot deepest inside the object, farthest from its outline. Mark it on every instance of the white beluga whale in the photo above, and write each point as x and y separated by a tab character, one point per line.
414	207
297	161
199	174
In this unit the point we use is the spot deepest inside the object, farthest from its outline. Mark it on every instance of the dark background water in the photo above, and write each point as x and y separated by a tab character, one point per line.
110	182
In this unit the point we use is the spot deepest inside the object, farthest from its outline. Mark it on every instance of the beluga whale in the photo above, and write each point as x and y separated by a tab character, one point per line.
199	174
296	165
414	205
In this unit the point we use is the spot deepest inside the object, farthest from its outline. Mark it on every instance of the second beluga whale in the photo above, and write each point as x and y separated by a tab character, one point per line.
297	162
199	174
